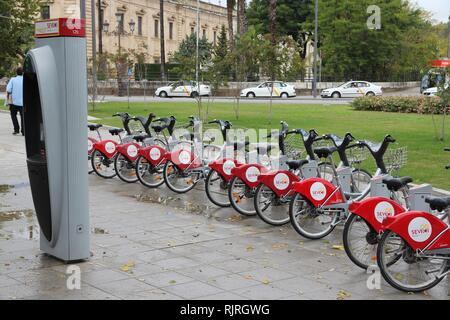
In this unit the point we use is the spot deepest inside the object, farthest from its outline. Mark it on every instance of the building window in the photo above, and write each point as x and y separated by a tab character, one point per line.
192	30
157	60
120	20
204	33
156	28
45	12
139	26
170	30
215	38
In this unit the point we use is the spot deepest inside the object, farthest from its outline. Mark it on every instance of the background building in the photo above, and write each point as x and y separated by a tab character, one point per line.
180	19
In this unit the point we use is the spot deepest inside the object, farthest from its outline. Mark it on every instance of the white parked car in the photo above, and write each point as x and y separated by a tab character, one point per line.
268	88
352	89
183	89
430	91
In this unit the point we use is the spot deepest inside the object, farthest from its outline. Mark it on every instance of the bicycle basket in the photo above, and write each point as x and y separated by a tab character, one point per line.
136	127
293	147
394	159
357	154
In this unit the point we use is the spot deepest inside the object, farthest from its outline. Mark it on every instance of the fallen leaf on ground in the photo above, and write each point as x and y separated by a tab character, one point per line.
98	230
279	245
172	282
342	294
250	248
338	247
265	281
248	277
128	267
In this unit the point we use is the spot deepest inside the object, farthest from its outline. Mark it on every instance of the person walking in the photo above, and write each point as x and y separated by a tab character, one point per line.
14	96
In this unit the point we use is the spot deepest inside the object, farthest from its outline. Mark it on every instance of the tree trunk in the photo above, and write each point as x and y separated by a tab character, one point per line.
272	20
242	17
230	8
272	30
162	40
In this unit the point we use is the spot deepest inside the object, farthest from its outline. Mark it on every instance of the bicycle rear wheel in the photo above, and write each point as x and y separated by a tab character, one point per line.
360	180
308	221
148	175
410	273
216	188
125	169
360	241
269	207
241	197
103	166
179	181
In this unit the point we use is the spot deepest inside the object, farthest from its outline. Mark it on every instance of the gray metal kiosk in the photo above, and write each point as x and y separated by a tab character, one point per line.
55	118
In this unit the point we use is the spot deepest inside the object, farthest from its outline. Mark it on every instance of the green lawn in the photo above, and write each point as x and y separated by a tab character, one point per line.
426	158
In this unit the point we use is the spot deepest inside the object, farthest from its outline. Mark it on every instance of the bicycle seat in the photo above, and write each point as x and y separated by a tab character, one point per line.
140	137
159	128
115	132
324	152
296	164
94	127
395	184
439	204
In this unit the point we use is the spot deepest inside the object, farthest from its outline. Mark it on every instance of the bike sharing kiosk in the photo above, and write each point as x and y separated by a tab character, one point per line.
55	119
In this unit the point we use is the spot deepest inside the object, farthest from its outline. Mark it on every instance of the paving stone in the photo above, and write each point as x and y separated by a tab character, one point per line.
192	290
263	292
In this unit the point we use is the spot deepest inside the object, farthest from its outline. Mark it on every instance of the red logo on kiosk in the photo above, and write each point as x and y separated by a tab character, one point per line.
61	27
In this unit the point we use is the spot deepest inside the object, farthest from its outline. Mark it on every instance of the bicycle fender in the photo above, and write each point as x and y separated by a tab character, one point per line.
153	154
375	209
279	181
129	150
419	229
224	167
184	159
249	173
319	191
91	142
107	147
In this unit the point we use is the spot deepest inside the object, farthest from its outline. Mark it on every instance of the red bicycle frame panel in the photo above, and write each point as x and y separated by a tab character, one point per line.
420	230
155	155
281	182
224	167
319	192
184	159
375	209
107	147
249	173
129	150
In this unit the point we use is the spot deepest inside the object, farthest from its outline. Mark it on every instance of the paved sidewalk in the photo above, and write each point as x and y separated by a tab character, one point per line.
153	244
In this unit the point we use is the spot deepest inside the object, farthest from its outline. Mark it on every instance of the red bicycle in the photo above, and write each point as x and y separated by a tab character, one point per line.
414	251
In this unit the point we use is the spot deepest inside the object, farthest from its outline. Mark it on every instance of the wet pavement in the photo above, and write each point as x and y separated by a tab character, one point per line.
154	244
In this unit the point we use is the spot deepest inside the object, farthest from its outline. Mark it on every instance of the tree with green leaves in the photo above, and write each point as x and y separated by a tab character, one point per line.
219	71
185	56
290	15
16	32
405	43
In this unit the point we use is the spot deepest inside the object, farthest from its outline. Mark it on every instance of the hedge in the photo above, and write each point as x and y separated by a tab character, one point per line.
417	104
